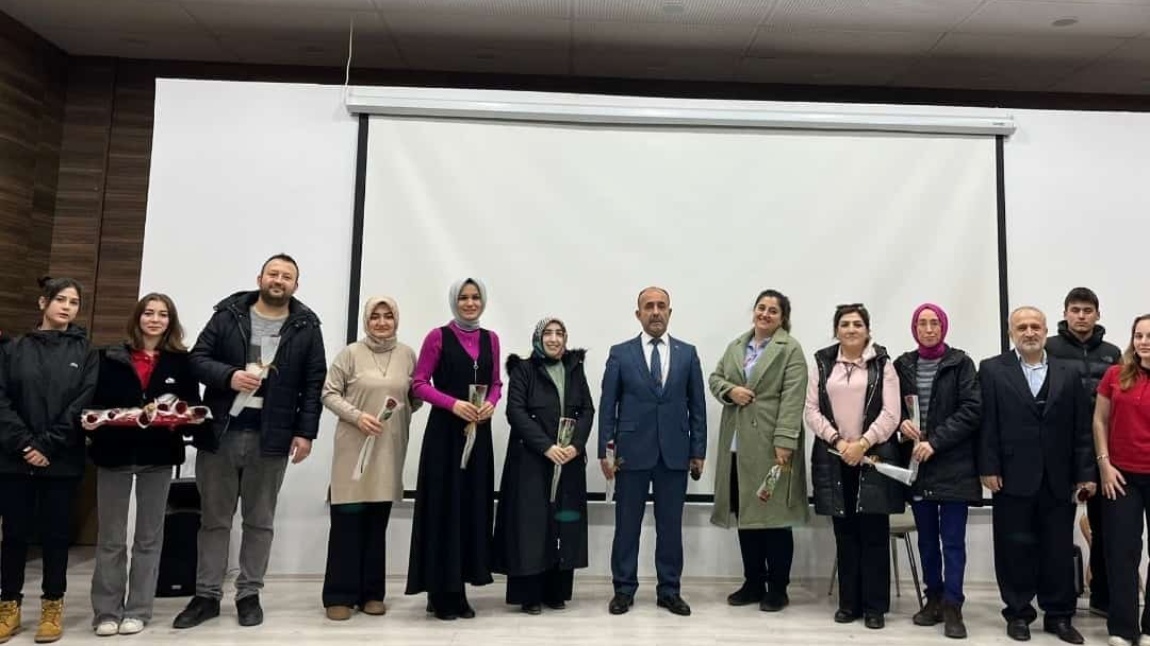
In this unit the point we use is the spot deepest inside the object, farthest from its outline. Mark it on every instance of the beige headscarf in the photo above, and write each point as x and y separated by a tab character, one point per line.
374	344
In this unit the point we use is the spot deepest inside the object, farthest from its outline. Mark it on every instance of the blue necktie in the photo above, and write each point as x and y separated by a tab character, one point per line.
656	364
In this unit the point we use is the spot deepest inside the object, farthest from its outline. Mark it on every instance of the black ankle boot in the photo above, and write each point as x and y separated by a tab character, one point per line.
931	613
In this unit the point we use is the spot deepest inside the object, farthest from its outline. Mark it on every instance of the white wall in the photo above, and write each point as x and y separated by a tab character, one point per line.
242	170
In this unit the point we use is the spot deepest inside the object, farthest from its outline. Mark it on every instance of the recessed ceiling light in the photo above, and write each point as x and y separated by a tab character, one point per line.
1064	22
674	7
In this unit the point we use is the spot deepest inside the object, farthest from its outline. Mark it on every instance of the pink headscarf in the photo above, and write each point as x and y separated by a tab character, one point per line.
937	351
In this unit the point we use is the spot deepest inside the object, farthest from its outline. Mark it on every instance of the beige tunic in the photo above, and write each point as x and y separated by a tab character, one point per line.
356	383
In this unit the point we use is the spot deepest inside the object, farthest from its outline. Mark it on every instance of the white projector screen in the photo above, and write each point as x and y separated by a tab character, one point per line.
573	220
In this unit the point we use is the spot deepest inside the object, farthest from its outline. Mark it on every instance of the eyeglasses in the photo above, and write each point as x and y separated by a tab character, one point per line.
850	306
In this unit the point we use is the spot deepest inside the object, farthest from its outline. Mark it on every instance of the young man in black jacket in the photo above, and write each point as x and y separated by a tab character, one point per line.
1079	339
261	357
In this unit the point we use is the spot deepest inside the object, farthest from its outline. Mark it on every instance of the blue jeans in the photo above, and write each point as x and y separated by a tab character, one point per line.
941	530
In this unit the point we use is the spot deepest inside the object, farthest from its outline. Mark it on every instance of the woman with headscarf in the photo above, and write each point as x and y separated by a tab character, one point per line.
949	407
540	541
454	501
369	388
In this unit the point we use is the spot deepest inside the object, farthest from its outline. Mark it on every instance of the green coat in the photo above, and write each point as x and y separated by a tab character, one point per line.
775	418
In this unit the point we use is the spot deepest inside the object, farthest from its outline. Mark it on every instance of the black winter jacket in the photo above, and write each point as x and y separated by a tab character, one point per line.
46	378
878	494
119	387
1094	356
951	474
292	401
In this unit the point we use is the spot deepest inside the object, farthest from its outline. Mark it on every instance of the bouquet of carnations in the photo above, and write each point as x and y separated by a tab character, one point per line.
166	411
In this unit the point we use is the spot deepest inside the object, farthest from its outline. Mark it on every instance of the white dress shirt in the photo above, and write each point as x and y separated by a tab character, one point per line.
664	353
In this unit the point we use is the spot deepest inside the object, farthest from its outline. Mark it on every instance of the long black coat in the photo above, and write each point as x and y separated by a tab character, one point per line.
532	535
951	474
46	379
119	387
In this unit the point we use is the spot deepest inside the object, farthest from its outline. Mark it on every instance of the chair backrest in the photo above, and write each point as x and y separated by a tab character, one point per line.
901	524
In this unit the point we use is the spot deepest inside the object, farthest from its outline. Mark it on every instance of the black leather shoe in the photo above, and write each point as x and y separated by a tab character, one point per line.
249	612
532	608
199	610
874	622
845	616
1018	630
774	602
465	609
931	613
555	605
620	603
675	604
1062	628
746	595
446	615
954	627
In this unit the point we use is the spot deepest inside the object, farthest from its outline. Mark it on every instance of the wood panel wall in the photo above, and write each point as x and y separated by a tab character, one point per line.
33	78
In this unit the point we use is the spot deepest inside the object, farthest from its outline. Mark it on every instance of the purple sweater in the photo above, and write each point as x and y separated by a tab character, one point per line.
429	359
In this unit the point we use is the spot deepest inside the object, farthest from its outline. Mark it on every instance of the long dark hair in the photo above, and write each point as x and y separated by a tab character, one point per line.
784	305
173	339
51	287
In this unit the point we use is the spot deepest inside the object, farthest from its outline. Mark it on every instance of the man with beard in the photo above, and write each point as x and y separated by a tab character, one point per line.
1036	452
1079	339
261	357
653	408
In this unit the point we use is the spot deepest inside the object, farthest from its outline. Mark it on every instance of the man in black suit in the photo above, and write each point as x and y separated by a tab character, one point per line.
1036	453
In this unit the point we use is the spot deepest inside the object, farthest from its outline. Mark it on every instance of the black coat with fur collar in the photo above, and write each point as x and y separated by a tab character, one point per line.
532	534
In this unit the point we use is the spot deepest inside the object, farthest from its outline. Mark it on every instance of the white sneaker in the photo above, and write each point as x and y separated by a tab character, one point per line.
131	626
107	629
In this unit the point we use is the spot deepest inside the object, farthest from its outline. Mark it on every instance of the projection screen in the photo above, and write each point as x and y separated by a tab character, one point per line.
574	220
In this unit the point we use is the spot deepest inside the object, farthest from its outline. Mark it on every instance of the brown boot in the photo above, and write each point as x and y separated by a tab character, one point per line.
931	613
952	616
9	619
51	621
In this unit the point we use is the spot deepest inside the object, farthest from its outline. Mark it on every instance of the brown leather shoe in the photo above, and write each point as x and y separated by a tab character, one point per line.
338	613
375	607
51	621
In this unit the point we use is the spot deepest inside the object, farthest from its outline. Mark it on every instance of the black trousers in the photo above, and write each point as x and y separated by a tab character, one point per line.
550	587
1124	546
356	554
767	553
1034	554
35	505
1099	579
862	546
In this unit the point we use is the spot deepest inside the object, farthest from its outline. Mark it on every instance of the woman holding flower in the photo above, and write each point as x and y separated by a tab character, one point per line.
541	523
455	489
368	387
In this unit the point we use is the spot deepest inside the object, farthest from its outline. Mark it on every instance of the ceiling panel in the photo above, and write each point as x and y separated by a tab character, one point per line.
297	21
770	42
367	52
994	46
1015	17
354	5
884	15
418	30
731	12
985	74
630	37
491	60
113	15
822	70
525	8
193	46
655	66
